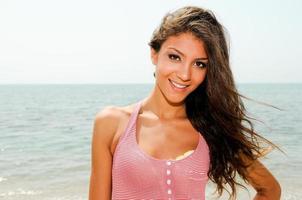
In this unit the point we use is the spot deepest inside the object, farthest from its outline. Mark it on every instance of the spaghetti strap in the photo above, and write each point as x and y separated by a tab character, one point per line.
137	175
131	122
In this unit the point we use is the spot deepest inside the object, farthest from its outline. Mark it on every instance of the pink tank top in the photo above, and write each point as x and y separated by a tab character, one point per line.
138	175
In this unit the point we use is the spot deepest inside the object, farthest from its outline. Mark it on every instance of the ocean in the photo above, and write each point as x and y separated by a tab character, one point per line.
46	130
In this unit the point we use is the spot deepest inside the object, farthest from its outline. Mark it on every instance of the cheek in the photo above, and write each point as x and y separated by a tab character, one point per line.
166	67
200	76
203	75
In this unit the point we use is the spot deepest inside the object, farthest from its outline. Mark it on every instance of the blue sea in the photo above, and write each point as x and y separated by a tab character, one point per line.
46	130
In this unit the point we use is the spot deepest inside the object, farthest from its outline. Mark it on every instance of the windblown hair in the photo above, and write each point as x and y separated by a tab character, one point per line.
215	108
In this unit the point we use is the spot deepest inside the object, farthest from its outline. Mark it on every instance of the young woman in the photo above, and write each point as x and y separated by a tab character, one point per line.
188	130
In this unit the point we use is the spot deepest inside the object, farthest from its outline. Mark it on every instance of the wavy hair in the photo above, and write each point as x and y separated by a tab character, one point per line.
215	107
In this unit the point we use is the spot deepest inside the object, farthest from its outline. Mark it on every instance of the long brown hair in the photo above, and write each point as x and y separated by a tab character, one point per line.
215	108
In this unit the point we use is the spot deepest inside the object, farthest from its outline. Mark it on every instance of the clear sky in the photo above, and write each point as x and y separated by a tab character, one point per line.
89	41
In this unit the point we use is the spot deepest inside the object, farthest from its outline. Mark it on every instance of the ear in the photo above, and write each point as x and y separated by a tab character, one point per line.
154	56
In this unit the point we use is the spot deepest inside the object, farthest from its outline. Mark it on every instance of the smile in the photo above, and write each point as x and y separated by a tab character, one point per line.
177	85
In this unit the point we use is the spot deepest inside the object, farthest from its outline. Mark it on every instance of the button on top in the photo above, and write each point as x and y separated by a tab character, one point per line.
168	162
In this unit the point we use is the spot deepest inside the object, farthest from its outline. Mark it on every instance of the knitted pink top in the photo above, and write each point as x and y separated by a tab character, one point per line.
138	175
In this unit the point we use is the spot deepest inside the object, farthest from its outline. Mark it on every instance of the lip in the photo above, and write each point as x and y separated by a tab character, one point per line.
176	88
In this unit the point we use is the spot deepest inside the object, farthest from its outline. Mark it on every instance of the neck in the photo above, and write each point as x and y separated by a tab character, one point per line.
157	104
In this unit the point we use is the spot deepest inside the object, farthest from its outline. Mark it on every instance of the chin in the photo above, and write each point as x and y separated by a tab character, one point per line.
174	96
175	100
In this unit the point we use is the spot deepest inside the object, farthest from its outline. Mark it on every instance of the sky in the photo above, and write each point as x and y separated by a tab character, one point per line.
77	41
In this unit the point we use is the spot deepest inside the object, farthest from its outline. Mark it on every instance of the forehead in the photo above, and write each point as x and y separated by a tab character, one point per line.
186	43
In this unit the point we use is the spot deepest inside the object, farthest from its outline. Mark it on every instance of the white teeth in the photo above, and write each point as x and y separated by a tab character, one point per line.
178	85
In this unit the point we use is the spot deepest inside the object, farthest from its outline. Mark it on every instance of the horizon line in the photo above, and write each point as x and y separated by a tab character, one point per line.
88	83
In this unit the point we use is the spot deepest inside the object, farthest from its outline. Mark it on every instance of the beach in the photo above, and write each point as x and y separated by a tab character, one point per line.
46	134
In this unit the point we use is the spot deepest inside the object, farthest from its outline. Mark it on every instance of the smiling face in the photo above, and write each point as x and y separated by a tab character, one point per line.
181	66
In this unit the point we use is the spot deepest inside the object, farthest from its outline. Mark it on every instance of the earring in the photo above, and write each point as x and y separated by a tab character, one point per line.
154	74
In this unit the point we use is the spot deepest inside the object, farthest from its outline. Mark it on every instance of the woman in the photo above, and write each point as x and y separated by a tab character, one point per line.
188	130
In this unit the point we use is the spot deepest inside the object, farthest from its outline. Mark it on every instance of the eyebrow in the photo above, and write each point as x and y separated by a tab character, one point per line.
184	55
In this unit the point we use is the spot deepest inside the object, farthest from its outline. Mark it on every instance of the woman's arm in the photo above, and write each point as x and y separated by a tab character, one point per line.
263	181
101	156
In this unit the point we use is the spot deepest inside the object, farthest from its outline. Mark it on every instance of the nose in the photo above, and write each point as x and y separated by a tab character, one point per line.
184	72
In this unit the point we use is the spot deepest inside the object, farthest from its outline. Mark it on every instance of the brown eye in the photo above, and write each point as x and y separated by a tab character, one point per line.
201	64
173	56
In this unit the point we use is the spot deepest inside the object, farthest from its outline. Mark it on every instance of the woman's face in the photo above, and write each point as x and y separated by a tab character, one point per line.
180	66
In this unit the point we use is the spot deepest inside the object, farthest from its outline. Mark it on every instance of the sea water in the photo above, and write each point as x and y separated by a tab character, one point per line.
45	136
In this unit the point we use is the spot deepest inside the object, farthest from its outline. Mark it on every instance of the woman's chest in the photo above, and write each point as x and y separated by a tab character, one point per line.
162	140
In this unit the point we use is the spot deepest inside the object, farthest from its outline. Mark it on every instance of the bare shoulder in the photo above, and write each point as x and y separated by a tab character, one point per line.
106	122
109	122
